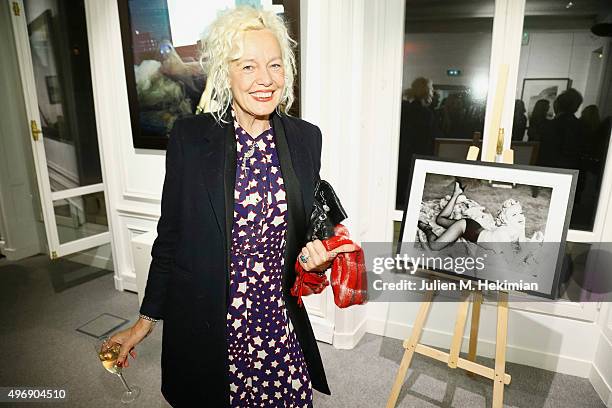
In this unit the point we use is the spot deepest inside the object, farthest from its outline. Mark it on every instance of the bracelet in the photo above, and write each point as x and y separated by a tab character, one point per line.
149	318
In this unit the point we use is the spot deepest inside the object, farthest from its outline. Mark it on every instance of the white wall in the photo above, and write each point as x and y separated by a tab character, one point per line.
547	55
561	55
431	54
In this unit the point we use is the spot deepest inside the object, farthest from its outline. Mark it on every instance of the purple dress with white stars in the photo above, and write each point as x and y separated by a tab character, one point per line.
266	366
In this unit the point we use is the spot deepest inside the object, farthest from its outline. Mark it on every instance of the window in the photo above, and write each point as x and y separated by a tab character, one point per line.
447	52
564	94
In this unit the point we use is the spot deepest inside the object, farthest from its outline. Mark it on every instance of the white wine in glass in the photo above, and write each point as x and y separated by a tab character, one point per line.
108	352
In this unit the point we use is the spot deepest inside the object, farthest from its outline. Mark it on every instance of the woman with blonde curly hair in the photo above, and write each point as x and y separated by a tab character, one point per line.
237	193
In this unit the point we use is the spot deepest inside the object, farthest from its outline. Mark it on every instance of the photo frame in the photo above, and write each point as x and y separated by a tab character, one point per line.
161	51
535	89
519	219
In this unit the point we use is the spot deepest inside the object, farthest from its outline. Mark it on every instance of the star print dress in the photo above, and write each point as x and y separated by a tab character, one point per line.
266	365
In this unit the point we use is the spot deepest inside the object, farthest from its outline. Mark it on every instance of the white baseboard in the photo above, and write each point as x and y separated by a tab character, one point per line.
514	354
13	254
126	283
600	375
323	329
602	388
349	340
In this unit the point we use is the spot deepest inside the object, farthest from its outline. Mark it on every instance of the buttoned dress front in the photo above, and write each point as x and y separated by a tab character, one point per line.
266	366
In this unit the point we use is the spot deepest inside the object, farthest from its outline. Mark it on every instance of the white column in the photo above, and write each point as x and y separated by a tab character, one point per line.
351	84
112	118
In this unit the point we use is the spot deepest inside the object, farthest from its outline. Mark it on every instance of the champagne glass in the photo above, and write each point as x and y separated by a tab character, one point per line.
108	352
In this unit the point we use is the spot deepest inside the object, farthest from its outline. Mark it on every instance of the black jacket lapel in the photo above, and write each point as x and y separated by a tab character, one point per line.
295	203
218	158
229	182
212	157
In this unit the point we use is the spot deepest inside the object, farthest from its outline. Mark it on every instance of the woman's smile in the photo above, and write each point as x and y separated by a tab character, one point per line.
262	96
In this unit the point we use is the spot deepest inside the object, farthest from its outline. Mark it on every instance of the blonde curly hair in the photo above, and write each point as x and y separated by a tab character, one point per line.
501	217
222	44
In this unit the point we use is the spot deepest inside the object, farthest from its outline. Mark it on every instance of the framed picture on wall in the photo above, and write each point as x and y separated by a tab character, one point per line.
161	53
513	217
535	89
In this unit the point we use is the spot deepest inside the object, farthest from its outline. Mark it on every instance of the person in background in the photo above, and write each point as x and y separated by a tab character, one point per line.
417	130
599	136
538	121
435	101
590	118
564	142
455	121
519	123
566	145
569	132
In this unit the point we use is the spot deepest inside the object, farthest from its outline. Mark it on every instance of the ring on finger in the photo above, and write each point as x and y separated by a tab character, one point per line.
304	258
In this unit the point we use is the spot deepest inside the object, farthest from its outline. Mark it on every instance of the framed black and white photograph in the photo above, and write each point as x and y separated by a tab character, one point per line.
161	53
535	89
514	217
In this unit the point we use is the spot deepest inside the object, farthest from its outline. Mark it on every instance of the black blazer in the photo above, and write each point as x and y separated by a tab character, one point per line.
188	279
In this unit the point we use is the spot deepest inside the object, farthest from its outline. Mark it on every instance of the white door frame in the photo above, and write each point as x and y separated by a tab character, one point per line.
56	249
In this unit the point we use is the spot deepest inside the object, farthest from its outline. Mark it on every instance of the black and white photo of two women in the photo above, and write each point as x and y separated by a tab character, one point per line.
236	200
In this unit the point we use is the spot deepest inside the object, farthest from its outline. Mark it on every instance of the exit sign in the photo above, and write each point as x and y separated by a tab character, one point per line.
453	72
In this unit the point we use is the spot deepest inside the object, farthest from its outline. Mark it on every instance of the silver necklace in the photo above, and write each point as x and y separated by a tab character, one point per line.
249	154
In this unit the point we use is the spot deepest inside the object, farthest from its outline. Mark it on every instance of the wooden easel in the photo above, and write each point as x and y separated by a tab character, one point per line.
452	359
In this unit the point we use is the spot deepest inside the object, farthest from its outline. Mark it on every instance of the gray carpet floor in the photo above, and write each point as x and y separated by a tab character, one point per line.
43	302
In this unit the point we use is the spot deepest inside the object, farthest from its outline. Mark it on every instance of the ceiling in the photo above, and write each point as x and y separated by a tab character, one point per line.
477	15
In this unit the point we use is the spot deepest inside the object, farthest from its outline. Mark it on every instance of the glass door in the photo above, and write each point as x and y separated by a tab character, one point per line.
52	47
447	59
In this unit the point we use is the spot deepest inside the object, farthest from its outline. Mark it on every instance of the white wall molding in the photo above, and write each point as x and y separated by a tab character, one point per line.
142	196
131	210
15	254
349	339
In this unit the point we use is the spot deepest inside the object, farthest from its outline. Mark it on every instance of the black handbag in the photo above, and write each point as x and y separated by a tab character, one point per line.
327	212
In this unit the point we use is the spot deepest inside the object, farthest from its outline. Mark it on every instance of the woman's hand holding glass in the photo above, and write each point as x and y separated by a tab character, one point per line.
129	338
